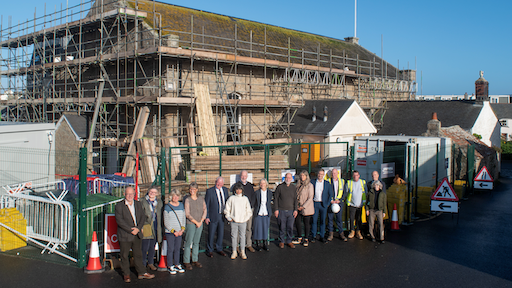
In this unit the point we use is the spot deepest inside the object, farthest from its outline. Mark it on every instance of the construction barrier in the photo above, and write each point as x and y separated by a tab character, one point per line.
47	219
397	194
12	218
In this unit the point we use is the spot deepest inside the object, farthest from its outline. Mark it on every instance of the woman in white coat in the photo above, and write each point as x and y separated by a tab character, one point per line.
238	211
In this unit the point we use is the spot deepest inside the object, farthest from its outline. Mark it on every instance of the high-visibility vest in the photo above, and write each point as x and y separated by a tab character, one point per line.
350	184
341	184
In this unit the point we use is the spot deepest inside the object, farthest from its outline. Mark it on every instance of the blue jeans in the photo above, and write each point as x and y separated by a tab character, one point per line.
173	249
148	251
322	213
285	220
192	237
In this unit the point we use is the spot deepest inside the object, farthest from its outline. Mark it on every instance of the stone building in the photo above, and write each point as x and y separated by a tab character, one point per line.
152	54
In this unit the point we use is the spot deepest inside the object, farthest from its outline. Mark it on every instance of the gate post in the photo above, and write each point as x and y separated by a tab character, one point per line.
82	204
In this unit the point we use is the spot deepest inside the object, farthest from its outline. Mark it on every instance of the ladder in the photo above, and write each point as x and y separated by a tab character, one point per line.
230	112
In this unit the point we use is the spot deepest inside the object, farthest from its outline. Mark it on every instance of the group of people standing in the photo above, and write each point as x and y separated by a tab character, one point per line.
309	203
312	202
141	224
247	211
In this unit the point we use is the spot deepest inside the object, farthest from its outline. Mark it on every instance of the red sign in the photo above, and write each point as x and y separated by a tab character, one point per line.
111	242
361	162
445	192
484	175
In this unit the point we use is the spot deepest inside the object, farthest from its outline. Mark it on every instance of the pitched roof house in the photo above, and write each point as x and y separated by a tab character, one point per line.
409	118
504	113
334	121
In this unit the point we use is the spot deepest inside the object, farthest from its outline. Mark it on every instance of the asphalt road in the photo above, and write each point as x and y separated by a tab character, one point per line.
434	253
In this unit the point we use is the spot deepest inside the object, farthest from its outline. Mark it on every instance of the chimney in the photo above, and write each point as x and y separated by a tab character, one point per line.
433	126
482	88
325	113
314	114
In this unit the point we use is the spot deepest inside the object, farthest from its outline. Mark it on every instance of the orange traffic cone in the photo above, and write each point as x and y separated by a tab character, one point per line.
394	219
162	265
94	264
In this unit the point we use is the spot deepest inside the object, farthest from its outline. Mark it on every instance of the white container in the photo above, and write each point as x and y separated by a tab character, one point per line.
391	155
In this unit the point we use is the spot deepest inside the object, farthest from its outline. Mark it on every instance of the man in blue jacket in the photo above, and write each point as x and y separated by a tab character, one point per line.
215	199
323	195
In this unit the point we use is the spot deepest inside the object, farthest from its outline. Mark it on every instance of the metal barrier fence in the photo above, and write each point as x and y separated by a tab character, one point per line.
63	222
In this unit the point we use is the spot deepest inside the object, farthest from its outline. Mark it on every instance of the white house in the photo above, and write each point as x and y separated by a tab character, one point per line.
409	118
504	114
324	121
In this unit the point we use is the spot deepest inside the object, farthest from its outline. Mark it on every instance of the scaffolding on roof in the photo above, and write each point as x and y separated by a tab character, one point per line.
55	63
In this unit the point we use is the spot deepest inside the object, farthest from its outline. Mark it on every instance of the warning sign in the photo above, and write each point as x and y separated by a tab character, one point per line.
361	148
445	192
484	175
111	241
361	162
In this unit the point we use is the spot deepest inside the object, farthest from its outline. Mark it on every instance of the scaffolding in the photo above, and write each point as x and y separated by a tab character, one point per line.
119	56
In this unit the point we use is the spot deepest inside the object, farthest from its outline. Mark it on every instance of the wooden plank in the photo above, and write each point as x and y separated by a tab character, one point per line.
138	132
153	159
205	118
191	137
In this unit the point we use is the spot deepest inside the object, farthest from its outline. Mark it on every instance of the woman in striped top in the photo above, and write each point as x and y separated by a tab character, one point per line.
174	223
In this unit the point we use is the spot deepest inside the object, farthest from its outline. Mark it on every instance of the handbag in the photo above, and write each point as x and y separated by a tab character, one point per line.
147	231
182	227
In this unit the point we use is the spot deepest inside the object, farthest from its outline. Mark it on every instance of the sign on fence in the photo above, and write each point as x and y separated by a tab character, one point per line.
111	242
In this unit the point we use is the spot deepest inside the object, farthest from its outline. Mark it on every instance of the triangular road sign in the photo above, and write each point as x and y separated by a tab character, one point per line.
445	192
484	175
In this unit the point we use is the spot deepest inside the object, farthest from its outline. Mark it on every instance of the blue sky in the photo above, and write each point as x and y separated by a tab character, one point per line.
448	42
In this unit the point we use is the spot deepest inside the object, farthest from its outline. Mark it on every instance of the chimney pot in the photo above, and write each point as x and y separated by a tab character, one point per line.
434	116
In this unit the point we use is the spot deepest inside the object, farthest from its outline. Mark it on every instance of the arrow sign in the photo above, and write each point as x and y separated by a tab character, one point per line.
483	185
444	206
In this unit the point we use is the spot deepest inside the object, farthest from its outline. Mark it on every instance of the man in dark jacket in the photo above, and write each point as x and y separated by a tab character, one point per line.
376	206
285	210
130	218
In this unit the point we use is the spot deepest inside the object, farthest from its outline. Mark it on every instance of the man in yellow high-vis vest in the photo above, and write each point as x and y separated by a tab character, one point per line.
337	184
355	191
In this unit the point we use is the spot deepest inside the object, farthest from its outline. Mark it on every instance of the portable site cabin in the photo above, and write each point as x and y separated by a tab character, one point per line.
27	153
412	158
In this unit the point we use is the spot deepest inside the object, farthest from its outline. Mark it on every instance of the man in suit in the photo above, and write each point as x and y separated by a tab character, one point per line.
337	186
215	199
130	218
323	195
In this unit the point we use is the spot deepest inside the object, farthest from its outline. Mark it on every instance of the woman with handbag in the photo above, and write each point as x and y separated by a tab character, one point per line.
174	223
195	211
305	195
152	229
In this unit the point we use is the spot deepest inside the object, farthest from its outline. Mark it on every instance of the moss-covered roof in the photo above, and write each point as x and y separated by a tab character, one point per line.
177	20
